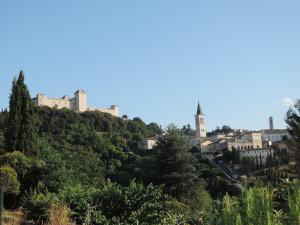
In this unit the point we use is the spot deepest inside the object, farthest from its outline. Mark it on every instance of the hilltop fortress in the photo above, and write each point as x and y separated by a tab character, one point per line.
77	103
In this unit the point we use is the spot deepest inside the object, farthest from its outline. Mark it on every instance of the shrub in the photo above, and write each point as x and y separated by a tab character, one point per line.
59	214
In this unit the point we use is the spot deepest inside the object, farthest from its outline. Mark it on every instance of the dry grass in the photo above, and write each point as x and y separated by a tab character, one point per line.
59	214
13	218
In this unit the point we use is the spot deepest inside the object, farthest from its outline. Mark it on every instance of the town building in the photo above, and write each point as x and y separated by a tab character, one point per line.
78	103
275	135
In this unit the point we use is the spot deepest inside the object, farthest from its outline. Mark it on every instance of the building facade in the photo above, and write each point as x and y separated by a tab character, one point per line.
78	103
275	135
248	140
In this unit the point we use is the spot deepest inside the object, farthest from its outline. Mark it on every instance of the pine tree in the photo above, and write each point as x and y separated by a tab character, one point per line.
293	122
176	164
20	133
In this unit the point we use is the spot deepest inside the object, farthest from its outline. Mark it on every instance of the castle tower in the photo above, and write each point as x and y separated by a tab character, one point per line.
200	123
271	124
80	101
115	110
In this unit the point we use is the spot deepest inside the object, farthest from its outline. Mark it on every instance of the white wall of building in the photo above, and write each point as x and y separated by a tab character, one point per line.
275	135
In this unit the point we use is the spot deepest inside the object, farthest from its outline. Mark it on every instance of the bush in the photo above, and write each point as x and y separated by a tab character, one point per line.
8	180
59	214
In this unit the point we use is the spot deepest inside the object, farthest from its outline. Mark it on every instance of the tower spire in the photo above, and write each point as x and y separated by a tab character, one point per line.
271	124
199	110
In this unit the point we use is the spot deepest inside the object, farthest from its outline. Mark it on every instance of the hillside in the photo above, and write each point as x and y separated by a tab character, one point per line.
65	167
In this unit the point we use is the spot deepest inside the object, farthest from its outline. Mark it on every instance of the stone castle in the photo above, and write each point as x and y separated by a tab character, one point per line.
77	103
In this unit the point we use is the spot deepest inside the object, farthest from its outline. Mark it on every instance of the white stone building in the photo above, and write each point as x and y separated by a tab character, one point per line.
275	135
248	140
77	103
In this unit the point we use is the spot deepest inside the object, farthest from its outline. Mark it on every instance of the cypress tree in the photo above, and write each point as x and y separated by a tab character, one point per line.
20	133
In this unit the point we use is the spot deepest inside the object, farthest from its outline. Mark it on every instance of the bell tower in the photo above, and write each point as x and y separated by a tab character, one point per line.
271	123
200	123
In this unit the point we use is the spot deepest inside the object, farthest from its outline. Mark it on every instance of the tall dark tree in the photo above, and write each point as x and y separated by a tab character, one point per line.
293	122
176	163
20	133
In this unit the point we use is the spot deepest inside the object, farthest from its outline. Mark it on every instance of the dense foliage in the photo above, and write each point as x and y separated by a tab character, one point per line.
262	205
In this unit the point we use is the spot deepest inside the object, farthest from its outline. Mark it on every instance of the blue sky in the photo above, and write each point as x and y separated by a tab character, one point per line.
156	59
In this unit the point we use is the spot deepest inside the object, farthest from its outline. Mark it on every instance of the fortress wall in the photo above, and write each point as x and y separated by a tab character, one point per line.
43	100
114	110
78	103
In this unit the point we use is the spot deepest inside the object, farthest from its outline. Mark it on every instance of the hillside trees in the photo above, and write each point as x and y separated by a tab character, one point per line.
91	162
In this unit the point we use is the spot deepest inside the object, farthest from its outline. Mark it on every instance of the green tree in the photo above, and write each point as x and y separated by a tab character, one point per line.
24	167
293	122
9	180
176	164
18	161
20	133
8	183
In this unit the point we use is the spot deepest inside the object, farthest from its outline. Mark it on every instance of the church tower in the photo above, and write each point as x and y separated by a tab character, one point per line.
200	123
271	124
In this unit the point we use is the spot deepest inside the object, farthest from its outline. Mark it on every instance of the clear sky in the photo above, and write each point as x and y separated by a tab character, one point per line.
157	58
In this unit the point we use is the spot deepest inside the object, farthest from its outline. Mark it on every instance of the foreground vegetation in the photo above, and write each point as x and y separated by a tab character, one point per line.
63	167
